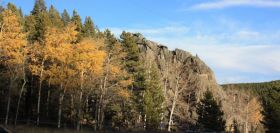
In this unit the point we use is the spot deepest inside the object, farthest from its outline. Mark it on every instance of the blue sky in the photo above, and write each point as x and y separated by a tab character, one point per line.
238	39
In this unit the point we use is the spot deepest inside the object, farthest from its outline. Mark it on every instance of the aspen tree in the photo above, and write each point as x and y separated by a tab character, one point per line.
13	53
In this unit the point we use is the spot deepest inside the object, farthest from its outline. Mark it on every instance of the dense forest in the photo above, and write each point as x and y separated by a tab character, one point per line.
58	71
268	93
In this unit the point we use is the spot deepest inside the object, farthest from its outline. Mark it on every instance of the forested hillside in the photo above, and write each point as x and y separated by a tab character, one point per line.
261	102
59	71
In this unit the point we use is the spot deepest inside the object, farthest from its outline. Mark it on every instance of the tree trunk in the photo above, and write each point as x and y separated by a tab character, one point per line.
103	89
79	110
48	99
9	102
8	108
19	99
39	92
80	100
247	113
48	103
99	112
72	107
61	97
38	103
173	105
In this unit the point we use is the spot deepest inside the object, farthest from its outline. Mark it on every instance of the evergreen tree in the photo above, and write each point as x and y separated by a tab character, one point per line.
16	11
40	6
65	17
76	19
42	21
55	18
88	28
135	69
29	26
110	39
210	115
271	110
153	100
131	48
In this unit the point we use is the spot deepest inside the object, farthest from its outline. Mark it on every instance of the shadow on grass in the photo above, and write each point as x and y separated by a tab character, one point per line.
34	129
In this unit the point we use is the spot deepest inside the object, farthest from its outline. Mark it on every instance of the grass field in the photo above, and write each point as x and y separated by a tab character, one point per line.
34	129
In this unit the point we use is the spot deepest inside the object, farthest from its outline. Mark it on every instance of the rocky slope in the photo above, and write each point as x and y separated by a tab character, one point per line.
182	74
189	77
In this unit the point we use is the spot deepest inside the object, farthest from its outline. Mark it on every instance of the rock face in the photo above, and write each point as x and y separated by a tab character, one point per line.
182	74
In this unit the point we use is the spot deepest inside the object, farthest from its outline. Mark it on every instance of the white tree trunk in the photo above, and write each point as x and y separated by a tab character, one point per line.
9	101
173	105
61	97
8	106
39	92
79	110
80	101
19	99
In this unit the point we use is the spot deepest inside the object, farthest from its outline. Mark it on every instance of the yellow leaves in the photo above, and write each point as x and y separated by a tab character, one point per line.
89	56
115	70
255	115
13	41
125	83
124	94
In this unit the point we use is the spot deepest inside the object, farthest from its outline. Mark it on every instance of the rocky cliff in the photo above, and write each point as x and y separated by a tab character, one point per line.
184	79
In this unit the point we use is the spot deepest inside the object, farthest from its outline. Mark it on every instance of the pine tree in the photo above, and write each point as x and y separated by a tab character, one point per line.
29	26
210	115
271	110
65	17
153	100
40	6
76	19
14	9
135	68
55	18
131	48
88	28
42	21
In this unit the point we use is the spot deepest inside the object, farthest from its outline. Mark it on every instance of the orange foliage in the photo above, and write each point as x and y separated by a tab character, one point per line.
124	94
12	40
255	115
89	56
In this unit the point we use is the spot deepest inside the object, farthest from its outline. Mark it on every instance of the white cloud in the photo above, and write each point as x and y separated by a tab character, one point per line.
220	4
236	62
245	34
161	31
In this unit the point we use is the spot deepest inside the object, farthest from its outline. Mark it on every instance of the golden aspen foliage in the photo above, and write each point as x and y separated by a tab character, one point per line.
60	54
89	56
12	40
124	94
255	115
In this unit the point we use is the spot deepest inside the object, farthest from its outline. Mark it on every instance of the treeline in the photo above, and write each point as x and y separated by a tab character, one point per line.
56	69
269	95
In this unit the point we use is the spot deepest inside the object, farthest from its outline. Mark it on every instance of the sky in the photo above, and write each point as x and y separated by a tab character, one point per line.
238	39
